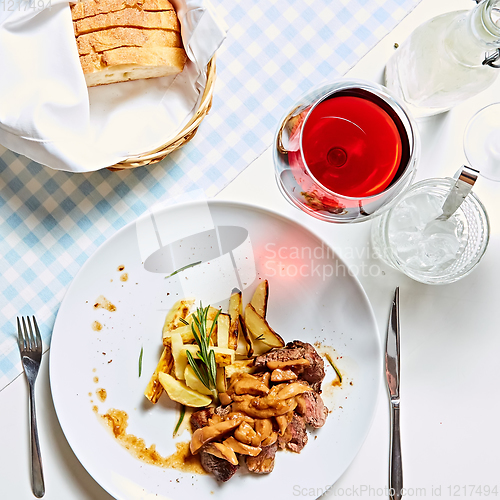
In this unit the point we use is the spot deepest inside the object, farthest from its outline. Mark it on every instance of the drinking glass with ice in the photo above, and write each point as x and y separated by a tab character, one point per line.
410	238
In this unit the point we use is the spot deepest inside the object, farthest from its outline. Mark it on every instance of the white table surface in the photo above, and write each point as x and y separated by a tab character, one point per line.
450	403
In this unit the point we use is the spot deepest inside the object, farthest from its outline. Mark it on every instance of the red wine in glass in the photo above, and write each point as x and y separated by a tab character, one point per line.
352	145
345	151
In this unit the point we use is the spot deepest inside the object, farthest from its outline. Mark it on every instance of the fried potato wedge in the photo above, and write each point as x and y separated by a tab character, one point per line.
185	331
180	310
221	382
235	309
223	324
260	348
180	392
212	314
180	358
165	364
259	329
260	297
246	337
223	357
239	366
193	382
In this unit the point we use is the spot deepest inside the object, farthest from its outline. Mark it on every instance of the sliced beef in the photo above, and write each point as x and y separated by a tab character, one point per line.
278	354
200	418
263	463
313	374
220	468
295	436
223	411
310	405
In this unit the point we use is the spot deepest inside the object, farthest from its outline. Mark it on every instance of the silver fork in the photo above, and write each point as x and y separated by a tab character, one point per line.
30	346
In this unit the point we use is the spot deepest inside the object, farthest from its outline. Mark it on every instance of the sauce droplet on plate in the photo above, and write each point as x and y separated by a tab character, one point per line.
104	303
96	326
182	459
101	394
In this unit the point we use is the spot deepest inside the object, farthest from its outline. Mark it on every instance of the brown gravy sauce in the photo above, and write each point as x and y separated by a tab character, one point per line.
124	277
104	303
96	326
182	460
121	268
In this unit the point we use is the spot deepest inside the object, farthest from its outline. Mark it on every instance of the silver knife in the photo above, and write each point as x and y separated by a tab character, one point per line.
392	374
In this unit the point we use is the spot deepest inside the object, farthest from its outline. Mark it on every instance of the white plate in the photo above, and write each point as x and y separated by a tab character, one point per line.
312	298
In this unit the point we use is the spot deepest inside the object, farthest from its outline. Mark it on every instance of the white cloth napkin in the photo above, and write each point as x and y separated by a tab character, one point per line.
48	114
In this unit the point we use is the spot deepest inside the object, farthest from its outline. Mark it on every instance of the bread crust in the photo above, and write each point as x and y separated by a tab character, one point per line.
88	8
171	57
131	63
112	38
128	17
122	40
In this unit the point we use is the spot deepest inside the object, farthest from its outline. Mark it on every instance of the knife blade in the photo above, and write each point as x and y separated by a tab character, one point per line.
392	376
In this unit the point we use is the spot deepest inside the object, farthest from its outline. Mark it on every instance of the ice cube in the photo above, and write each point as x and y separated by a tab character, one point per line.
428	206
419	240
438	251
405	243
441	227
404	217
414	262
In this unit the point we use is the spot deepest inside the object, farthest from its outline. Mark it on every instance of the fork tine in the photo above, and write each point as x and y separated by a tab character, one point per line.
38	337
20	337
27	340
32	337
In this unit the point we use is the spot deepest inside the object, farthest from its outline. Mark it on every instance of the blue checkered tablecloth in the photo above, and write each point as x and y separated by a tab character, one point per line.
51	222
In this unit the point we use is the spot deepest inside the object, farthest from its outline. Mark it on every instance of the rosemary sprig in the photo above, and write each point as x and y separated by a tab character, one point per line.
330	360
204	367
183	269
140	361
181	418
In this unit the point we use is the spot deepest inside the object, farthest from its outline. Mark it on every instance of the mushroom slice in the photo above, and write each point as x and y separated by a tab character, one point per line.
272	365
264	427
270	440
241	448
283	375
245	434
283	421
225	399
280	408
244	383
210	433
293	389
220	450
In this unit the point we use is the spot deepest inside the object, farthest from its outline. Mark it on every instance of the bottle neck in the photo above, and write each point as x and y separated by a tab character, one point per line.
484	22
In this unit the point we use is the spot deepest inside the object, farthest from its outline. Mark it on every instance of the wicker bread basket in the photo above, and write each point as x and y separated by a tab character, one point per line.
183	136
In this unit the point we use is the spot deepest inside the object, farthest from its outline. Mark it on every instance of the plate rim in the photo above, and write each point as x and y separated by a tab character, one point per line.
241	205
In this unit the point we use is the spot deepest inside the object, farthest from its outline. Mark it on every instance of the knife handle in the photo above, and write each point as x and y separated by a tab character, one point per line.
395	461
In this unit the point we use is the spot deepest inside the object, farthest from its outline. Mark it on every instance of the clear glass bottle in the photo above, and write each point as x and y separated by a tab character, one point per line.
442	62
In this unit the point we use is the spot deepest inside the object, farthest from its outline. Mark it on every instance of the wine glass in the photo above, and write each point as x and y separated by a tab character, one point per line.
482	142
346	151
